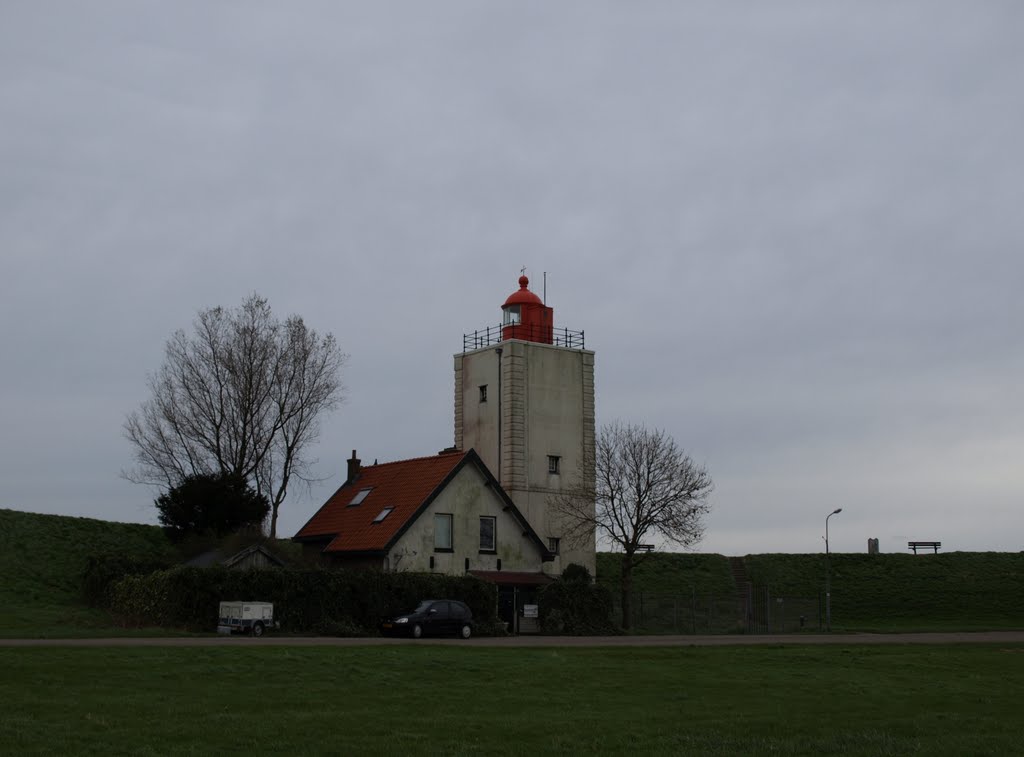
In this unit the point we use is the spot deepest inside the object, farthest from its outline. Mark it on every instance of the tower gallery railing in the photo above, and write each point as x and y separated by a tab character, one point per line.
491	335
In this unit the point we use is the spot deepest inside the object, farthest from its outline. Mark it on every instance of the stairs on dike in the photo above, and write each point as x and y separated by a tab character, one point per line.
743	589
740	577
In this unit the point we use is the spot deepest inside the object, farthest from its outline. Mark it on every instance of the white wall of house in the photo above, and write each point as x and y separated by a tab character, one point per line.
546	402
467	498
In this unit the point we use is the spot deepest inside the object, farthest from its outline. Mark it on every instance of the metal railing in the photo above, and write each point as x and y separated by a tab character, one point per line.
475	340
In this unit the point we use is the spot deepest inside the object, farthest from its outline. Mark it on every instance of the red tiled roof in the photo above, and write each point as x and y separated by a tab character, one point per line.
403	485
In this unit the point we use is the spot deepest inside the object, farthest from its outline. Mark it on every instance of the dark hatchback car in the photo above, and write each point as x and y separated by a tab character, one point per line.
432	617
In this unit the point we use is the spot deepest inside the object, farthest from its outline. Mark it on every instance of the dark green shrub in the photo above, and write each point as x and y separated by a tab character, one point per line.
210	503
575	606
343	628
576	573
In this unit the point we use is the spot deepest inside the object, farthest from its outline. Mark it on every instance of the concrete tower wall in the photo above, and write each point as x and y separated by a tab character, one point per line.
546	405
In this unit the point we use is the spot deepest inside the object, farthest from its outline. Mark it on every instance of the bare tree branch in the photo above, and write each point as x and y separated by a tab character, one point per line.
243	395
637	486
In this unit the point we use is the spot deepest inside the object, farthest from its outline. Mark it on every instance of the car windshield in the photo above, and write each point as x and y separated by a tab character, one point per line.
424	605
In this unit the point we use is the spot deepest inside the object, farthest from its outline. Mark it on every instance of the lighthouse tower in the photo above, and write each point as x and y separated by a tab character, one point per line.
524	400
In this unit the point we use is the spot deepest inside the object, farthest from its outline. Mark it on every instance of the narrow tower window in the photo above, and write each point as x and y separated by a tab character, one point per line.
554	464
483	393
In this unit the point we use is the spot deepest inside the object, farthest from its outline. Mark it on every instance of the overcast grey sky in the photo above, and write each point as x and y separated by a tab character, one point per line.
792	232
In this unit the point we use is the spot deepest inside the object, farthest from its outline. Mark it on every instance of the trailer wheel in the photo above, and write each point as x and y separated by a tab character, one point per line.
257	629
417	631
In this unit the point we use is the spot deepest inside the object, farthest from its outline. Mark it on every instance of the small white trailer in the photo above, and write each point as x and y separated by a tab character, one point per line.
245	617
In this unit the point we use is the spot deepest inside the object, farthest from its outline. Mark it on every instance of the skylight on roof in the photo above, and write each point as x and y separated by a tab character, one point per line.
383	514
360	496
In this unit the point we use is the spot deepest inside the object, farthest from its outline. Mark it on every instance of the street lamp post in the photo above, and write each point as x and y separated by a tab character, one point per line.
828	574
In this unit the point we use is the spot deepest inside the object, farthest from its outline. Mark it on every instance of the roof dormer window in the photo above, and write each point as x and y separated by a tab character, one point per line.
360	496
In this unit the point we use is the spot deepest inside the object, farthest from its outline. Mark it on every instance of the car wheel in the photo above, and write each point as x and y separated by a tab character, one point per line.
257	630
465	631
417	631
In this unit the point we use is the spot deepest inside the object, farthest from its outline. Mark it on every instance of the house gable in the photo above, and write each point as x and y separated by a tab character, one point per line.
470	495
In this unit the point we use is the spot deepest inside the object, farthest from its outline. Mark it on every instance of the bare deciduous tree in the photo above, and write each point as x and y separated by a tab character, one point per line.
241	395
638	485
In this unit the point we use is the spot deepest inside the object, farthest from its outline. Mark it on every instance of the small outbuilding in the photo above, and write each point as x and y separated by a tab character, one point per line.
254	557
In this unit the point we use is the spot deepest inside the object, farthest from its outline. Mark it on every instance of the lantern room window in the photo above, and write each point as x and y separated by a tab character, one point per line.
512	315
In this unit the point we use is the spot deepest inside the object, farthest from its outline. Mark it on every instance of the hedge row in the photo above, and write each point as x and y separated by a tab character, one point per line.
102	571
305	601
575	606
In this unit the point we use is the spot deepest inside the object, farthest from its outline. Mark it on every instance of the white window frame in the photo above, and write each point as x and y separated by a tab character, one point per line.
443	524
494	534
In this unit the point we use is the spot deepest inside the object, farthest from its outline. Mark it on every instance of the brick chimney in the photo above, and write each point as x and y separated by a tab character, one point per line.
353	468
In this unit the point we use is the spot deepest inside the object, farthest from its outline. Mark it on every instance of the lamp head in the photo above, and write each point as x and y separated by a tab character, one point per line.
837	510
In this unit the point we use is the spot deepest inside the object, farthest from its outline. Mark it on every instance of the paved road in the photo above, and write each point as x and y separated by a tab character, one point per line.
987	637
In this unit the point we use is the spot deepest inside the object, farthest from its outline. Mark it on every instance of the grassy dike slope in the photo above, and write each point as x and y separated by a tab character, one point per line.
42	558
670	573
896	592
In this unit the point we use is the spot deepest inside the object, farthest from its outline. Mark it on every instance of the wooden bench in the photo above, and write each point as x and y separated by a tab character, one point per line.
915	545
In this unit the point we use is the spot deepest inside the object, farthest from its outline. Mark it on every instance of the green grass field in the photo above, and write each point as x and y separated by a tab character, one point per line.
420	699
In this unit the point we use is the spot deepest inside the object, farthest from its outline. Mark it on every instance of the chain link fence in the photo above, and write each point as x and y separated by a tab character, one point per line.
756	610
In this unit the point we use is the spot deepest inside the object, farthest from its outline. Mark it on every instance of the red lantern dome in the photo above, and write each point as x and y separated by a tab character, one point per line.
526	317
